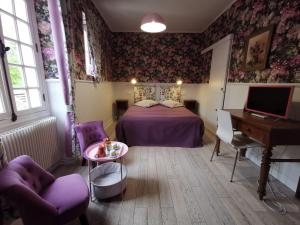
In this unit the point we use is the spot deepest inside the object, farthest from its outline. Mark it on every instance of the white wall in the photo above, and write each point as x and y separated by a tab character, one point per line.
57	108
94	102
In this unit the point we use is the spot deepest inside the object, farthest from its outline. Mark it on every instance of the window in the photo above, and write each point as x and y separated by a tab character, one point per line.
23	61
2	105
90	65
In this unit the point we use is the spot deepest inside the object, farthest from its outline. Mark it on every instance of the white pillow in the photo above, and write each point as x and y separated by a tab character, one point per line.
146	103
171	103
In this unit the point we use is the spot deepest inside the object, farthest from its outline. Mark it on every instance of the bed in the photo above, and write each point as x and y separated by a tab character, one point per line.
160	126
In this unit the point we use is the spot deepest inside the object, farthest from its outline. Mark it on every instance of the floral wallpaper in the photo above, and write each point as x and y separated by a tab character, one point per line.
98	32
47	46
162	58
168	57
246	17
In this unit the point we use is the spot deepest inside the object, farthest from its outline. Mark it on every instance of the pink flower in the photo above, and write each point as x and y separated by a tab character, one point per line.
295	60
294	32
278	69
288	13
241	74
280	28
257	7
49	53
45	27
276	42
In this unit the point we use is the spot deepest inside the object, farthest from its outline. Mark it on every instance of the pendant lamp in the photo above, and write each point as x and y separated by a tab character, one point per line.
153	23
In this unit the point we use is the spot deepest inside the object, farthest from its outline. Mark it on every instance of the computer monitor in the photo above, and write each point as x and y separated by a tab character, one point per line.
270	100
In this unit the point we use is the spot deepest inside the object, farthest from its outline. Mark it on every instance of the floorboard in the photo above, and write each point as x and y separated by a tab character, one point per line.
180	186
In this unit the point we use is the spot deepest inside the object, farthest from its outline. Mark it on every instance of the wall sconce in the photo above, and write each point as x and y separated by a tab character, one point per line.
179	82
133	81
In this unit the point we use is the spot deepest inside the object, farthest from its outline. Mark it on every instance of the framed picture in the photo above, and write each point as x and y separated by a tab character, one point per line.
257	49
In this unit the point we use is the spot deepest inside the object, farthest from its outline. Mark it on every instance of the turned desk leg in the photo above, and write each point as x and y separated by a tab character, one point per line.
264	171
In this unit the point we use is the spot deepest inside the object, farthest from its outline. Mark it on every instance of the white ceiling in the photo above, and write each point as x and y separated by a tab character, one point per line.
187	16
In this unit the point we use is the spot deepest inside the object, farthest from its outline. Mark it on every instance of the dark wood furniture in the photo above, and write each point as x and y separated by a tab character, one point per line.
191	105
121	107
270	132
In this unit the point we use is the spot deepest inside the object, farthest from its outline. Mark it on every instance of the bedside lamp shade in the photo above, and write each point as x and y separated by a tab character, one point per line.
133	81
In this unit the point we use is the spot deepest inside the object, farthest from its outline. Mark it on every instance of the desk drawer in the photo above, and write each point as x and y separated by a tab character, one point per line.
253	132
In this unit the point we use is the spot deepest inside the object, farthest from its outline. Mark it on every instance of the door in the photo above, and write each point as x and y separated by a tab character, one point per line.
217	82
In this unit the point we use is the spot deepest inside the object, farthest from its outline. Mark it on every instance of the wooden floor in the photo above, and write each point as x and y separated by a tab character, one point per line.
179	186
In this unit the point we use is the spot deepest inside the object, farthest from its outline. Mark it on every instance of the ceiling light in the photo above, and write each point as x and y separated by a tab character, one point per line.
153	23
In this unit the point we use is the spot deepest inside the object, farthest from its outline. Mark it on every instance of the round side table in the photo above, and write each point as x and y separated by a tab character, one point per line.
97	172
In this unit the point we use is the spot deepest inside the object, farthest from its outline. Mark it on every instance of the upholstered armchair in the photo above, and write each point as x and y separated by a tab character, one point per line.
39	197
89	133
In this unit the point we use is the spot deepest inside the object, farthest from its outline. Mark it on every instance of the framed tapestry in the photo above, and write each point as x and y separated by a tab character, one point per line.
257	49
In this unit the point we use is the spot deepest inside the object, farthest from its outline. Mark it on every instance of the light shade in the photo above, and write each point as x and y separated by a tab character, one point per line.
179	82
153	23
133	81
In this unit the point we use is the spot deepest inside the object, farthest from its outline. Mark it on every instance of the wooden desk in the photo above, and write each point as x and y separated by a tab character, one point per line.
269	132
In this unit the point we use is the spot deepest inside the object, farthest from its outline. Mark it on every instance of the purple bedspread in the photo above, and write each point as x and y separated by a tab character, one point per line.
160	126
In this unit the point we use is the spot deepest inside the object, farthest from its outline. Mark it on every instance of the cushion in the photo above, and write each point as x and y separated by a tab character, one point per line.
23	171
144	92
171	104
69	195
170	92
146	103
89	133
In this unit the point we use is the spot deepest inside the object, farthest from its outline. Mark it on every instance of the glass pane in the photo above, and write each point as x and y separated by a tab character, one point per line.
8	26
16	76
35	99
13	55
21	99
28	57
31	77
2	109
24	32
21	9
6	5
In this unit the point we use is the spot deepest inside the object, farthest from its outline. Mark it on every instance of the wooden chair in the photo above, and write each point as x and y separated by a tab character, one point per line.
226	134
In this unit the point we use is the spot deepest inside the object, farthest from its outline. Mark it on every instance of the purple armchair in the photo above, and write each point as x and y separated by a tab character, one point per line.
39	197
89	133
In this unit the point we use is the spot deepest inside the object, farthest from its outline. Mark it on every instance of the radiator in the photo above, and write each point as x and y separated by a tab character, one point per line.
38	140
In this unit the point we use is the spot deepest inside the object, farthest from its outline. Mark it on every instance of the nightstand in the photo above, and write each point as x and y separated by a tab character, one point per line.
191	105
121	107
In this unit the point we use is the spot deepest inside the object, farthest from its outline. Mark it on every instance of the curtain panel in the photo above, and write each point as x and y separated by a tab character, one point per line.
67	81
99	37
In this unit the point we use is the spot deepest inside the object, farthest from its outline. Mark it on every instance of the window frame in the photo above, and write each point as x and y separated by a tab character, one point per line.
87	49
3	96
31	113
